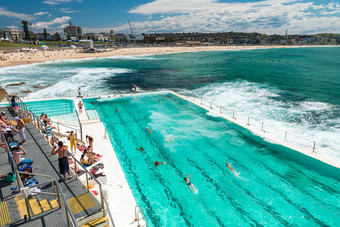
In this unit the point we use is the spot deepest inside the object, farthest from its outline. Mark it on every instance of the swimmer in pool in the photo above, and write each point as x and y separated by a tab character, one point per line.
187	180
141	149
147	128
231	168
159	101
157	163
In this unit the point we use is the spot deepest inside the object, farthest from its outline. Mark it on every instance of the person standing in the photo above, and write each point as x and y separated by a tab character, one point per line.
21	128
80	106
79	92
73	144
62	159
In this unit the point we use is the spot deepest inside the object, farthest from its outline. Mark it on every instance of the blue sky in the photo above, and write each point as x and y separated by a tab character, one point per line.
149	16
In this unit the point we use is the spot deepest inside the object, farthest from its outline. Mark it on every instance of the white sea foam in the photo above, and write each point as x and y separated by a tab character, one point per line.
89	79
258	102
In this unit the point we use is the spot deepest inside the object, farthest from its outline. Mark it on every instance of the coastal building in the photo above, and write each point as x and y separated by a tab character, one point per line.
10	34
73	31
113	36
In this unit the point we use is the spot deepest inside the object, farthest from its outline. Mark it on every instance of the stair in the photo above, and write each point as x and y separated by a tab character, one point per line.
4	214
59	135
99	222
36	206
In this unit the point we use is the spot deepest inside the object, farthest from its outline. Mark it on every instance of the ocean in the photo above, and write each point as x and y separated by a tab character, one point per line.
295	89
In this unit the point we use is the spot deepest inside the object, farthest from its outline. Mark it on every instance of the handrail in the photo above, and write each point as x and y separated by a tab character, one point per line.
21	185
136	214
103	201
68	209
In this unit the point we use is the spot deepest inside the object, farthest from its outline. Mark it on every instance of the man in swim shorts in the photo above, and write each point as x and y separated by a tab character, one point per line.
80	106
62	159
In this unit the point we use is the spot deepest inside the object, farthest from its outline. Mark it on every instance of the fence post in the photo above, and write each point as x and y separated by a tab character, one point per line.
68	219
234	114
285	136
58	197
87	182
210	106
248	121
201	100
102	199
220	109
313	148
262	127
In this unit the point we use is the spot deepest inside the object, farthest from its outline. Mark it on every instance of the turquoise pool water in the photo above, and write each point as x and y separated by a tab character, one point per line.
90	108
58	109
273	186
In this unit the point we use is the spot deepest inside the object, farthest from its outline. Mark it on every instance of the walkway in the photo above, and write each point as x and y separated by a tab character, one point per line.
39	150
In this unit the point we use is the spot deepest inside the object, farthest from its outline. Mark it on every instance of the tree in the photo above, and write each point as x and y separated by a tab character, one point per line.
57	36
26	31
45	34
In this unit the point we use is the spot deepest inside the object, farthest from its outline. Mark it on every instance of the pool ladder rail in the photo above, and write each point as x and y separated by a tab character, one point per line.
139	215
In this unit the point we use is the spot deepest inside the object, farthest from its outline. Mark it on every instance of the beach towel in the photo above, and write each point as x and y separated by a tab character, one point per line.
63	165
26	161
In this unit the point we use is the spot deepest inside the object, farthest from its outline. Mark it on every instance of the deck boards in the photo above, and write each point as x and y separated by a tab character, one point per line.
39	151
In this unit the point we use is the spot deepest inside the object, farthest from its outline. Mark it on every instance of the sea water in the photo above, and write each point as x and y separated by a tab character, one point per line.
271	185
295	89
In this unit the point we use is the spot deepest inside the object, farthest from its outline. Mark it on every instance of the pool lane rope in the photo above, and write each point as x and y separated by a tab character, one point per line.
232	183
184	185
315	202
181	181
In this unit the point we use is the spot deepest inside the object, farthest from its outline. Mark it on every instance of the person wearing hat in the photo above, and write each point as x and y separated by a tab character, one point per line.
21	128
3	118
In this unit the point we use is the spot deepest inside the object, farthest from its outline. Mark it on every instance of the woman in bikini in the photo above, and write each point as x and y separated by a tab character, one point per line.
187	180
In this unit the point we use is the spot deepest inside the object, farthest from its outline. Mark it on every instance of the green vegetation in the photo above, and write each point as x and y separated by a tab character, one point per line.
19	45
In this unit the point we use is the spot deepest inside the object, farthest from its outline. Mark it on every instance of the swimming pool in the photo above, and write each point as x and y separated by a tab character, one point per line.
58	109
90	108
273	185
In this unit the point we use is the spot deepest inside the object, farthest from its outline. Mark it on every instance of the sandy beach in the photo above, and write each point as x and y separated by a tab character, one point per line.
22	58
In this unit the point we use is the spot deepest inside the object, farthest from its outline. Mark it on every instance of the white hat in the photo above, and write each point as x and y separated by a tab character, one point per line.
16	118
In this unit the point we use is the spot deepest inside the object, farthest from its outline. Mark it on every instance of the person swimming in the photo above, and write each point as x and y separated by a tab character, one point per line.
141	149
147	128
231	168
157	163
187	180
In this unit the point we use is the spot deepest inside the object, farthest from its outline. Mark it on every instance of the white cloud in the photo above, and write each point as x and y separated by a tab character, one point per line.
57	2
12	27
21	16
267	16
40	13
49	24
67	10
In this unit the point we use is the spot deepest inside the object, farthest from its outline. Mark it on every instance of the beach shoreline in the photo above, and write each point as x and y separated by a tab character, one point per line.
40	56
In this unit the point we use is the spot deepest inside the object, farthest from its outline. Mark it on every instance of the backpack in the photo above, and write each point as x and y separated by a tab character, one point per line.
11	177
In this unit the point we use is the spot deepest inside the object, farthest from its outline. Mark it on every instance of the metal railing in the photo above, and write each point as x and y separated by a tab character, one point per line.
39	124
138	210
24	109
57	191
250	122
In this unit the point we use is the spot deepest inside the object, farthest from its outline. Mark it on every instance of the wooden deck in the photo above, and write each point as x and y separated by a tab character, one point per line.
82	203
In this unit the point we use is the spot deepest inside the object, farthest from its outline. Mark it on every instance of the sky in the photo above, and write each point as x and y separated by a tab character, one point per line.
154	16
